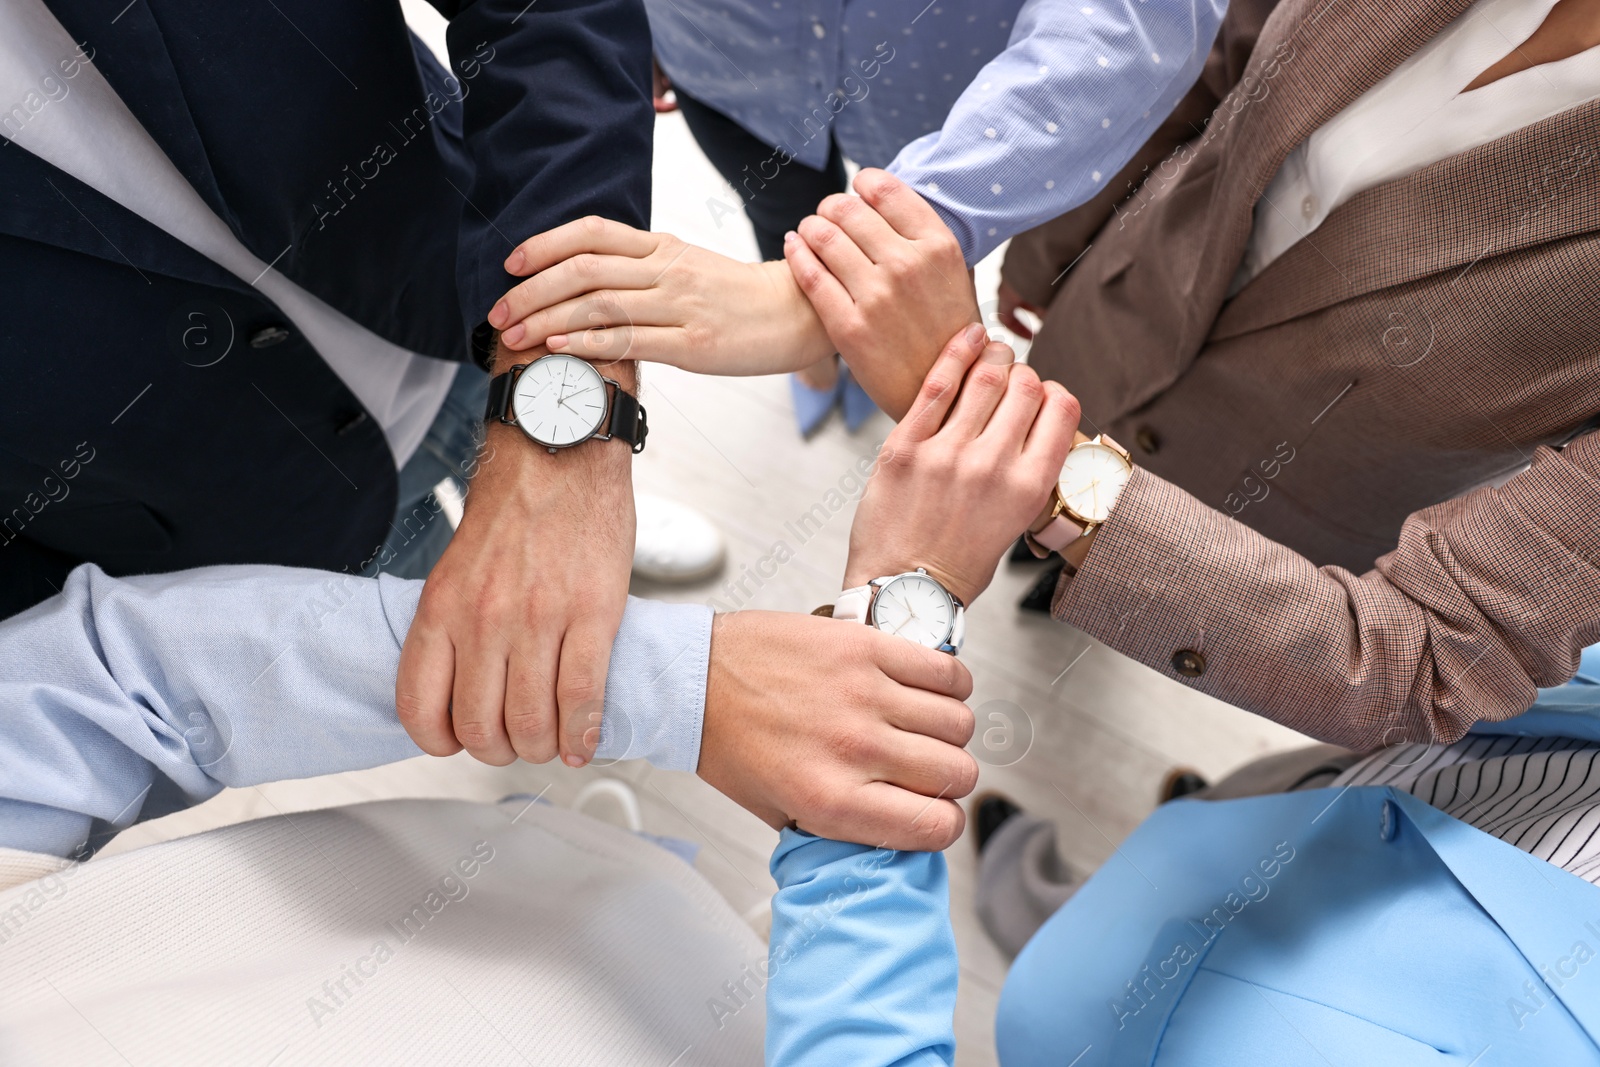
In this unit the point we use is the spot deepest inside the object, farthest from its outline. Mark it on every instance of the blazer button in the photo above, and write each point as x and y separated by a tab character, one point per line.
1147	440
268	336
1189	663
351	423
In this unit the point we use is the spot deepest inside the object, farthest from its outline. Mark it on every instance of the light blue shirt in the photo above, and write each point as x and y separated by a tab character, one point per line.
1003	115
130	698
862	964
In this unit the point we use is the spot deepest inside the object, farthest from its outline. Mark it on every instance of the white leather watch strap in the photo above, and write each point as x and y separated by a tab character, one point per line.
853	603
1058	533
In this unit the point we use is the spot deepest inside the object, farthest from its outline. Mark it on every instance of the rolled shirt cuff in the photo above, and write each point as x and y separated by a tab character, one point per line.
655	699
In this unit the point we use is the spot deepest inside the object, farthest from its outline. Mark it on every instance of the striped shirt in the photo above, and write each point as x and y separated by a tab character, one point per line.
1541	794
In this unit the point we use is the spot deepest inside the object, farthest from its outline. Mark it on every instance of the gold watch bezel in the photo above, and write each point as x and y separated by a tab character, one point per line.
1061	505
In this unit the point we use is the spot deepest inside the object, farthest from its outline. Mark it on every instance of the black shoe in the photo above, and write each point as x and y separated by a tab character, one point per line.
1180	782
989	814
1022	554
1044	590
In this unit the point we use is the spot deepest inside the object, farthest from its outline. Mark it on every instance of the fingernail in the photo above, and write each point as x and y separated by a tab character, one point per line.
555	341
975	333
498	314
515	261
513	335
574	760
999	354
790	236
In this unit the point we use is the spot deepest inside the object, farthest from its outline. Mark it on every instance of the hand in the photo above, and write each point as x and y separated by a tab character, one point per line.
868	750
601	290
888	280
1010	301
660	86
952	498
508	653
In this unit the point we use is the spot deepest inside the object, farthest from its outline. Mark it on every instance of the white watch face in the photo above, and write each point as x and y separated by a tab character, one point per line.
915	607
1091	479
559	401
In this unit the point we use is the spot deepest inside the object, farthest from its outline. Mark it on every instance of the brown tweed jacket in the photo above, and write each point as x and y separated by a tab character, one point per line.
1311	534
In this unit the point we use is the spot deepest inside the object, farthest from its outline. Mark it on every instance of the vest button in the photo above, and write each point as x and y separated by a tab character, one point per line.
268	336
1189	663
1147	440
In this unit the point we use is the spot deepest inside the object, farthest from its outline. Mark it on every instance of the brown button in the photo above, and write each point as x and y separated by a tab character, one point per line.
1189	663
1147	440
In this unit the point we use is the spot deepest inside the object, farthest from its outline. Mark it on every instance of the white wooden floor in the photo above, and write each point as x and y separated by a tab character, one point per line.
1104	728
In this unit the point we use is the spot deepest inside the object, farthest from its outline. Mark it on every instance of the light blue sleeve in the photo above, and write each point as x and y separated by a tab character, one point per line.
128	698
862	966
1041	129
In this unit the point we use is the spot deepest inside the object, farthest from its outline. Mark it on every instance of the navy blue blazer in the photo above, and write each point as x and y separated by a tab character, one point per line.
158	413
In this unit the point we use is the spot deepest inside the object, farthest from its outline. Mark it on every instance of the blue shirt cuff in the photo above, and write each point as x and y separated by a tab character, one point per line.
656	684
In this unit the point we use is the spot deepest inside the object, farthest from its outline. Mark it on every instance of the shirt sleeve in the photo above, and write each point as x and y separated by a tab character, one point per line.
862	967
558	125
1080	87
129	698
1484	599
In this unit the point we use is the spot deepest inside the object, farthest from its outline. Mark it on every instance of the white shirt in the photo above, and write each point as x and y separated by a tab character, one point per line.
88	132
397	932
1416	116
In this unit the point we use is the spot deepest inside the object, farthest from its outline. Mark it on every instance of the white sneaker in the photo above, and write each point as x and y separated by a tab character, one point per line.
674	542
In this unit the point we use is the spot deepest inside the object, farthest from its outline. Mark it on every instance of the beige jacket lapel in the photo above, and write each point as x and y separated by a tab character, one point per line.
1326	53
1537	184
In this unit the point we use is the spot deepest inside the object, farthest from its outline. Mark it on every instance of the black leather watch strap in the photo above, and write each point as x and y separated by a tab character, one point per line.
500	394
627	419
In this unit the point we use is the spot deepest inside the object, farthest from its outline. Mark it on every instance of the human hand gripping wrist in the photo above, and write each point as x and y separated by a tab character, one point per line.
962	475
508	653
602	290
841	731
888	280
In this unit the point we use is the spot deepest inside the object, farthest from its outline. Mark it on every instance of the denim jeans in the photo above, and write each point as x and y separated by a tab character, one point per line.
420	530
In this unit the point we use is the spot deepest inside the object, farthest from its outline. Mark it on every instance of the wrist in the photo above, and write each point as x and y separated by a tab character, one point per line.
799	329
516	475
956	586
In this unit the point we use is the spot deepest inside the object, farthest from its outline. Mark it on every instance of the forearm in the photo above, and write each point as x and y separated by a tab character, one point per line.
131	697
862	968
1064	108
558	125
1484	599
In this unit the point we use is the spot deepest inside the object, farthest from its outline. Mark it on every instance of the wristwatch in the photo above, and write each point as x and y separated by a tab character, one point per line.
561	401
913	605
1091	480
